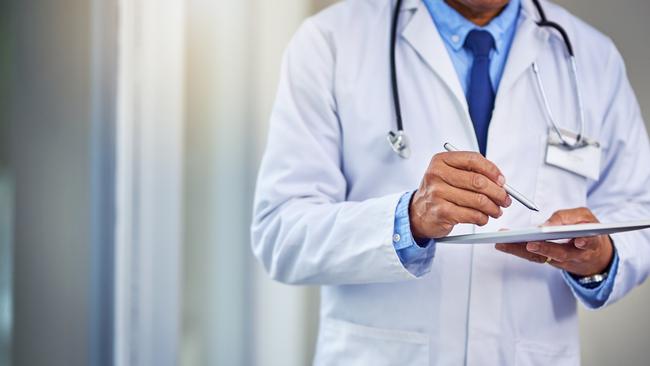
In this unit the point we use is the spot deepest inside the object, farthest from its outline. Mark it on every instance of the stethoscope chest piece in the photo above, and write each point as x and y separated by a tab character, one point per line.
399	143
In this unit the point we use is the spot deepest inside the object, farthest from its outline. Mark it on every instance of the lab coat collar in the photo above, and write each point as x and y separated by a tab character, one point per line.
421	34
529	41
408	4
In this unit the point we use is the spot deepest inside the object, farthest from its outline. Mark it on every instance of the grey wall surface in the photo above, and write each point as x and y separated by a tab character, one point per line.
618	335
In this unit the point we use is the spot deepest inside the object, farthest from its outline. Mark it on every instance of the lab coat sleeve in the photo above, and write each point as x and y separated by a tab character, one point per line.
623	191
304	231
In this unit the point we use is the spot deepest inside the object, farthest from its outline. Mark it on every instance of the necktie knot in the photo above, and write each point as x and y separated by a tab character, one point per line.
479	42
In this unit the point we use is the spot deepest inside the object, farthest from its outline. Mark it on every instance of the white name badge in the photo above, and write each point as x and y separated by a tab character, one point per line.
584	161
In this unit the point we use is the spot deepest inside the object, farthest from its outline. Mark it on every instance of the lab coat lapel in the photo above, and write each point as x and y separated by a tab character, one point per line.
529	41
422	35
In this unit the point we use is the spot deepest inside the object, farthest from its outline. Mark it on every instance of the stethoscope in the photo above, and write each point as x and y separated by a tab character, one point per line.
399	141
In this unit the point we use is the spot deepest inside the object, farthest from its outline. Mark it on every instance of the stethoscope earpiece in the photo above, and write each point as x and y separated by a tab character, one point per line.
399	143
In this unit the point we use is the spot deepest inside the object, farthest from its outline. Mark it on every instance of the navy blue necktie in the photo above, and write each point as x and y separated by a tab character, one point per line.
480	96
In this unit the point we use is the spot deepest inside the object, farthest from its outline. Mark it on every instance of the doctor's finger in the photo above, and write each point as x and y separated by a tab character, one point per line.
519	250
571	216
451	212
587	243
477	183
473	200
560	253
475	162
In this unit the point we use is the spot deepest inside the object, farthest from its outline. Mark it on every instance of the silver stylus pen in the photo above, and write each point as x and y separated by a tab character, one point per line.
511	191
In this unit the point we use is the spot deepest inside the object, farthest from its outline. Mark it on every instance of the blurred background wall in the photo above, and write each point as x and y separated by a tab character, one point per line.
53	104
233	314
50	168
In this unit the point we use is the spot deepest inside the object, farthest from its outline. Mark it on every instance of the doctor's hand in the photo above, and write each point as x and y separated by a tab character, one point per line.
581	256
458	187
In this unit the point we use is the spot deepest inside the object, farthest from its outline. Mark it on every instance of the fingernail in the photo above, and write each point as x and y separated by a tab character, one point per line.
580	243
508	201
501	180
533	247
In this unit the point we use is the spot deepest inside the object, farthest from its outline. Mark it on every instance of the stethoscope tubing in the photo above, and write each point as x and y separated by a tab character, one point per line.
399	141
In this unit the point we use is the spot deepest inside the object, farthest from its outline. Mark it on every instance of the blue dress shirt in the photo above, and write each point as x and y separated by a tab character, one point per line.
416	258
453	28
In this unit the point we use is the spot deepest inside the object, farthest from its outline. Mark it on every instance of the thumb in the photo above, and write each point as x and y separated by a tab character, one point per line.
555	220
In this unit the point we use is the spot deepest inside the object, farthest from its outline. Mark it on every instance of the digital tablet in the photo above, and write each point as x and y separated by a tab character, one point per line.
546	233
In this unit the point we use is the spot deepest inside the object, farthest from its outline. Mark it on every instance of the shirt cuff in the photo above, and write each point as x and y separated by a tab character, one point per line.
595	297
416	258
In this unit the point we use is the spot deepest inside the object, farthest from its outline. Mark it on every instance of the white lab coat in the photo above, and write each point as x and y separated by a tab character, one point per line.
329	185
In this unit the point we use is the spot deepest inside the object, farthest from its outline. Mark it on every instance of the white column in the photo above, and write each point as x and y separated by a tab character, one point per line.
149	181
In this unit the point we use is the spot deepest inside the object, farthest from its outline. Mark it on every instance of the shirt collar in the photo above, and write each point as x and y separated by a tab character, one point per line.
454	28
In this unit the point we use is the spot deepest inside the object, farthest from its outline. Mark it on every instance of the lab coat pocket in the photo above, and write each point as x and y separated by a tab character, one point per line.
345	343
529	353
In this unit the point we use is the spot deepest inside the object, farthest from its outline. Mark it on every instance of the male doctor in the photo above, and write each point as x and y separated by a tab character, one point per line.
336	206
